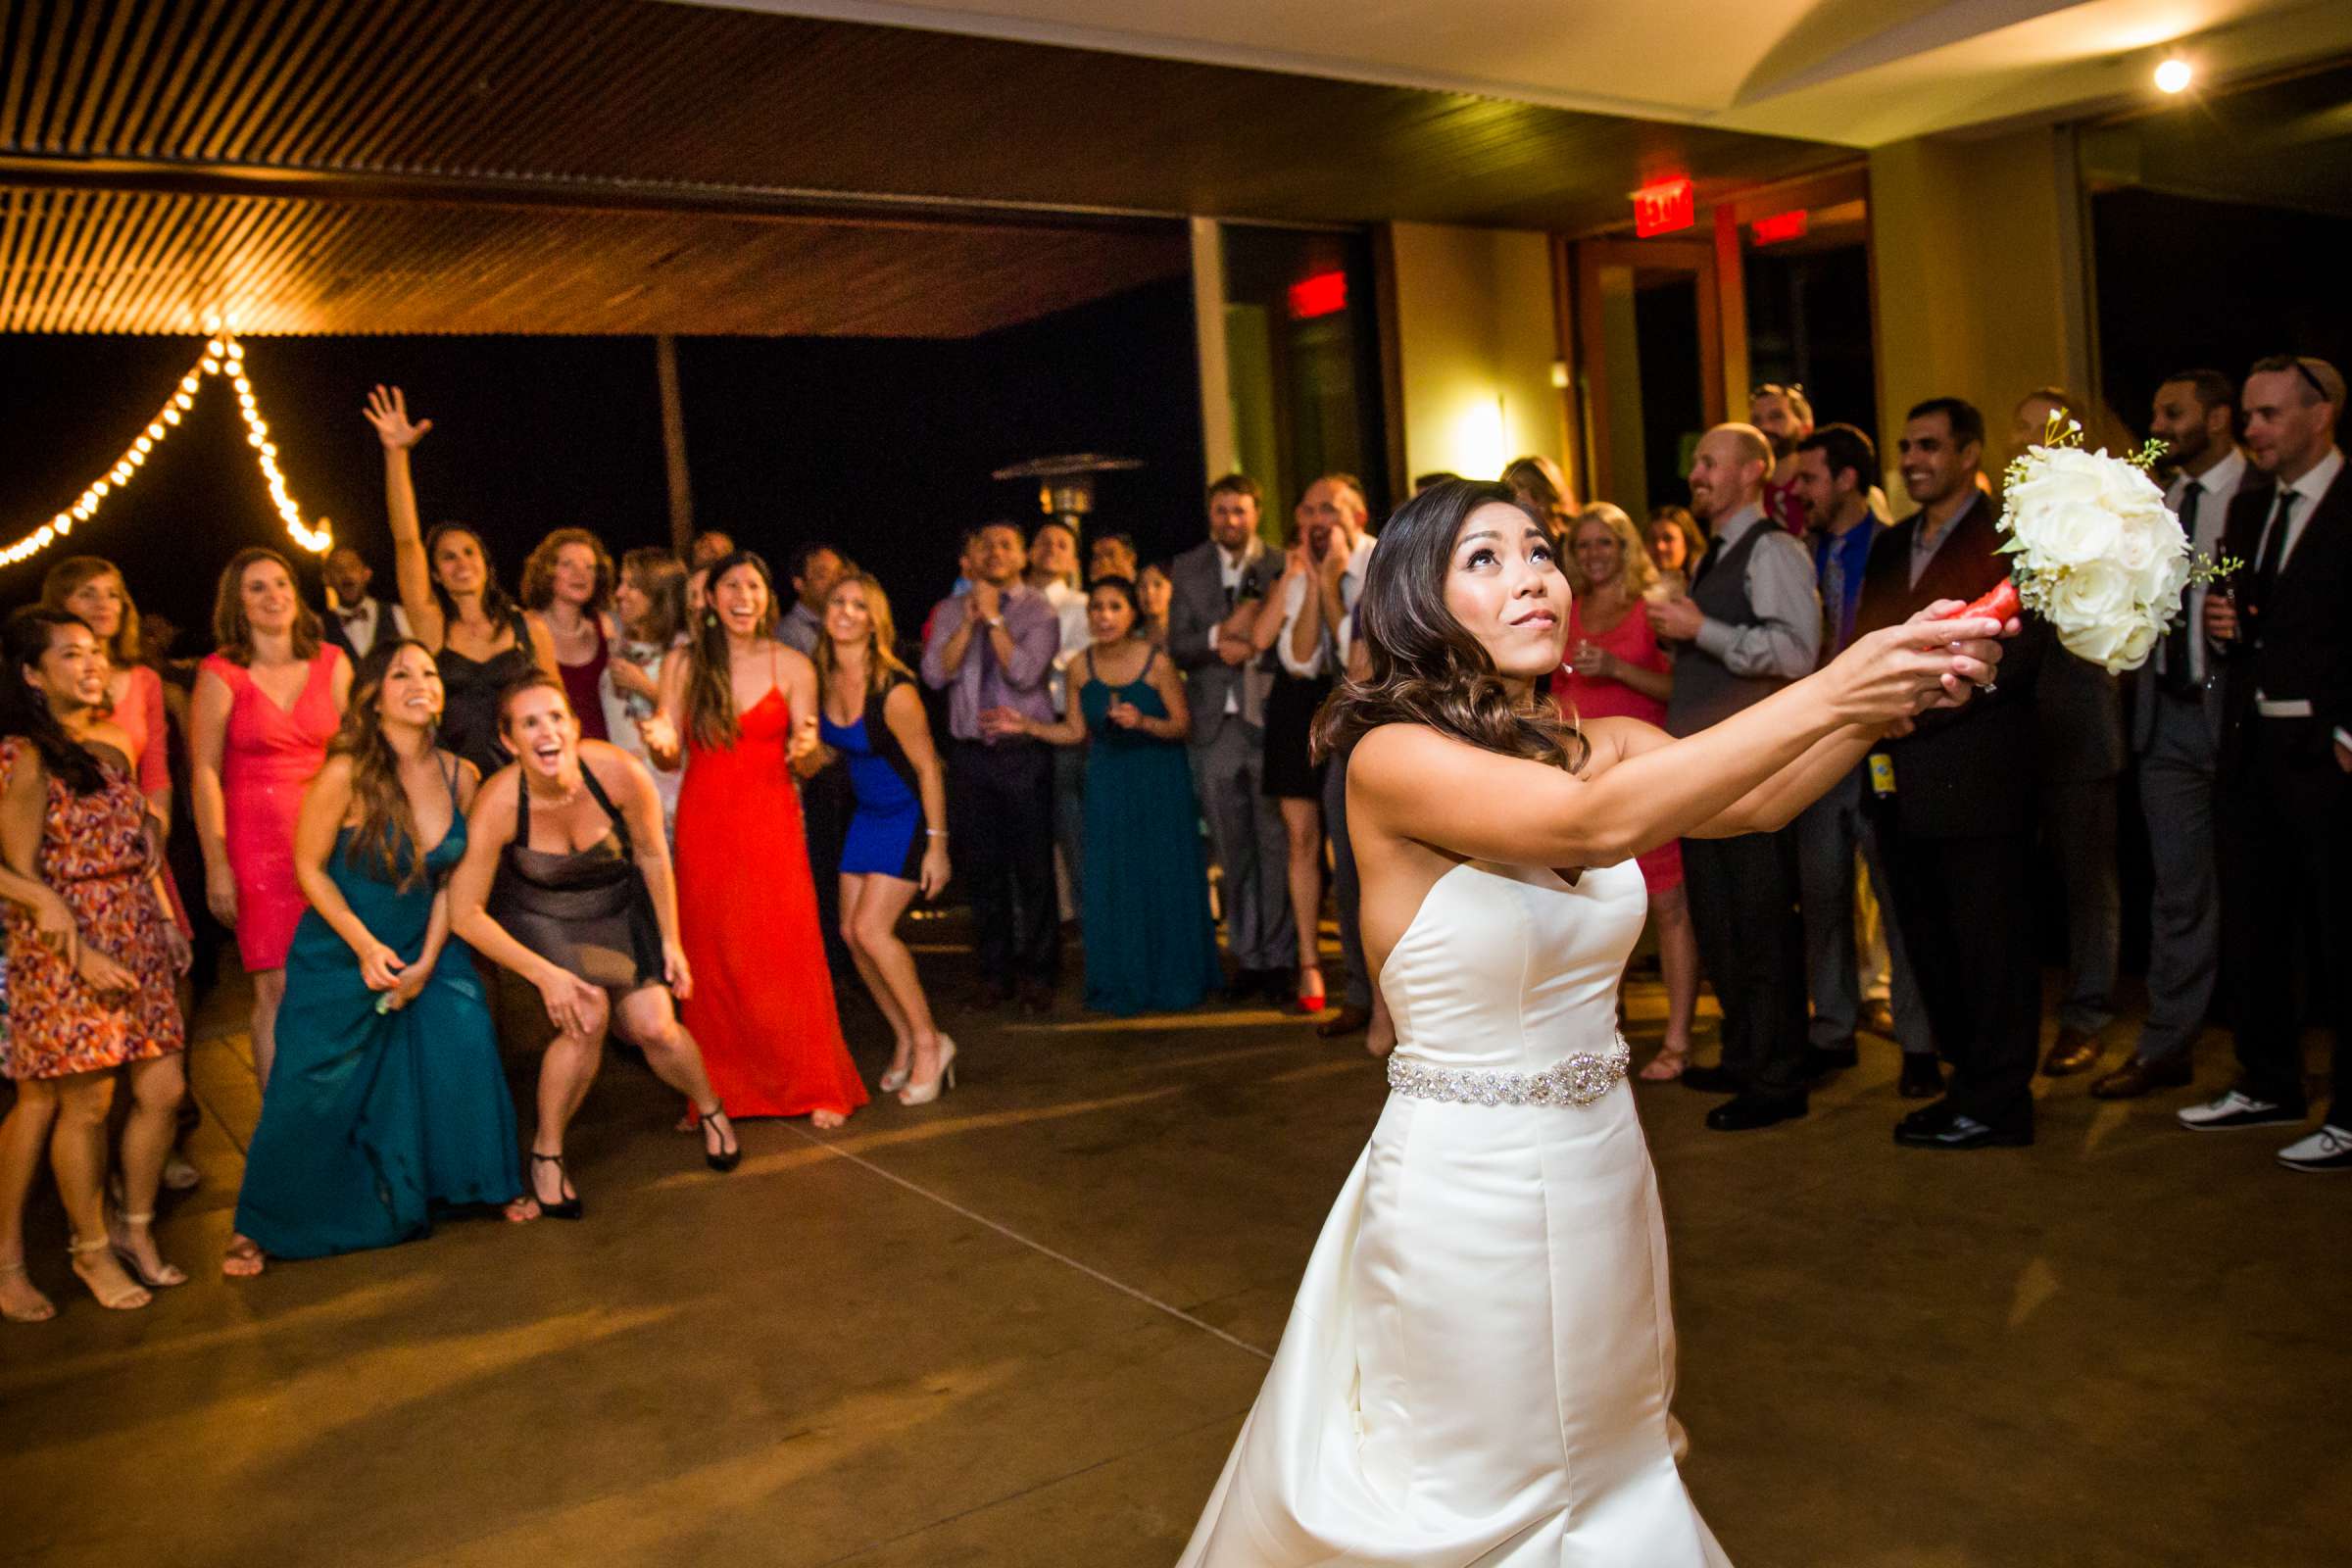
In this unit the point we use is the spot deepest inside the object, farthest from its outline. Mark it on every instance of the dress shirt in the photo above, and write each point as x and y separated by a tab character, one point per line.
1924	545
1849	553
1070	613
980	682
364	622
2218	486
799	628
1329	656
1784	643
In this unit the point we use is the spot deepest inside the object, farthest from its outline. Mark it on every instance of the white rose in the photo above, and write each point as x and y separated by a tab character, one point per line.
2116	646
2058	511
2095	593
2160	583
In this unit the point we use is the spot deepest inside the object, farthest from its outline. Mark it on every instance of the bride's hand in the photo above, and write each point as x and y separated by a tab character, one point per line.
1900	671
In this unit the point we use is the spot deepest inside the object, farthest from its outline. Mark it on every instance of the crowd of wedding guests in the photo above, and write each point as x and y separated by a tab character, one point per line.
585	785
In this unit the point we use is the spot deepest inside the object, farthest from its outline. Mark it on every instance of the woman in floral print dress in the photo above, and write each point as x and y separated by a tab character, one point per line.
94	960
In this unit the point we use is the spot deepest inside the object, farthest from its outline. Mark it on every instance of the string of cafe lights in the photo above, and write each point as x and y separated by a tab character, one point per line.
223	356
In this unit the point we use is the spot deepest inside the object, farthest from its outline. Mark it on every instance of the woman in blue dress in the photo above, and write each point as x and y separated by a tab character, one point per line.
388	1100
1150	945
870	714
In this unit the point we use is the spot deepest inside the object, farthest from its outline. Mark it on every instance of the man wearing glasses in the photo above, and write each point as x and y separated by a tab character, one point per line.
1785	417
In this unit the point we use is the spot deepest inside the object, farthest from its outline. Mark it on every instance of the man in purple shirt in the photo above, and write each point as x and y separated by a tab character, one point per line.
993	647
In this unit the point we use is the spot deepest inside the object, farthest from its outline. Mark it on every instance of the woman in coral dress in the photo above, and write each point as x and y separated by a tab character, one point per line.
741	707
268	701
1616	670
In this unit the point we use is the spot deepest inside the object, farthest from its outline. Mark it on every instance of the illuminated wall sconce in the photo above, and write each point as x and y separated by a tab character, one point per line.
2173	74
1559	374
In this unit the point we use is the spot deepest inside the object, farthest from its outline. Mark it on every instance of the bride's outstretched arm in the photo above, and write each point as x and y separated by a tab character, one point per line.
1462	799
1777	801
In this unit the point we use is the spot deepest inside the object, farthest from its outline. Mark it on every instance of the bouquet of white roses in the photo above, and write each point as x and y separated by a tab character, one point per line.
2094	551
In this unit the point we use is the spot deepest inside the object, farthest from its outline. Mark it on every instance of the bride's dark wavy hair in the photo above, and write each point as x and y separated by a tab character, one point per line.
1427	669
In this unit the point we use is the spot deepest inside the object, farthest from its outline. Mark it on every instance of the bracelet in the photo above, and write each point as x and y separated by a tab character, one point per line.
935	832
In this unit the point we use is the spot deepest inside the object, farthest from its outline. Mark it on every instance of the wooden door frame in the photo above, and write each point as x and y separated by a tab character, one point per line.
1697	257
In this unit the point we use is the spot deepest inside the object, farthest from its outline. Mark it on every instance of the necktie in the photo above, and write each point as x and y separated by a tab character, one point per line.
1832	600
2273	550
1706	559
2176	676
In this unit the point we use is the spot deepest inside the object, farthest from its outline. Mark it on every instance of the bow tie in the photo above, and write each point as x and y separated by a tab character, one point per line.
356	613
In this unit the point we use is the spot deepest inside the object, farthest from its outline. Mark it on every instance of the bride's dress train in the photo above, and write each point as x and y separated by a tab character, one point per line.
1479	1365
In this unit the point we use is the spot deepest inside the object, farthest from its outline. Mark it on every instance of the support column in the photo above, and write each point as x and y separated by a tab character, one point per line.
1218	441
673	444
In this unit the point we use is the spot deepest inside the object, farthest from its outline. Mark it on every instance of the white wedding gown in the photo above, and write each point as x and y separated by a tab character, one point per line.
1478	1367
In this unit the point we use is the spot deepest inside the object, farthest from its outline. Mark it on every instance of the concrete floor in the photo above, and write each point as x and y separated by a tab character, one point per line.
1023	1326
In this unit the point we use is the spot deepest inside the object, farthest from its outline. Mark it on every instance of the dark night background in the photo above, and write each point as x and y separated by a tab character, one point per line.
881	446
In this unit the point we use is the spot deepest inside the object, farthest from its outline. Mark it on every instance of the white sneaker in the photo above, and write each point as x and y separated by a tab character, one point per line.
2233	1110
2328	1148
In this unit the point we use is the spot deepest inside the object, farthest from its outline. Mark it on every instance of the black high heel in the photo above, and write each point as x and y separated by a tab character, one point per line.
727	1159
570	1207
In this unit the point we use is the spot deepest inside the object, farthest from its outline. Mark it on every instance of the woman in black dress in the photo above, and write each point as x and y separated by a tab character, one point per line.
481	639
567	882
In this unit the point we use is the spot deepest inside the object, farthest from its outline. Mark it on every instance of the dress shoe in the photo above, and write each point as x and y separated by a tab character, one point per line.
1961	1132
2328	1150
2137	1077
1822	1061
1926	1118
2074	1050
1751	1109
2235	1108
1922	1076
1713	1080
1246	985
1348	1020
1878	1018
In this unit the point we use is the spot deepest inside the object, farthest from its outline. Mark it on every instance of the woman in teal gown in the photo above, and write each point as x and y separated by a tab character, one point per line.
1149	944
388	1100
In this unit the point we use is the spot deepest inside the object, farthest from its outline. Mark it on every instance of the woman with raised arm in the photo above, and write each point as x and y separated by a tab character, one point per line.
567	584
565	881
1481	1361
480	638
388	1101
742	709
268	701
92	955
896	844
1150	945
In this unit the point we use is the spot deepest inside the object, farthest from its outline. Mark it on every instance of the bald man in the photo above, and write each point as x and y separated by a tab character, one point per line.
1751	625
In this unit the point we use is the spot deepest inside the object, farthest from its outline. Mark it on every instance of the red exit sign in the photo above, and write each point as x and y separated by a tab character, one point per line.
1664	207
1324	294
1780	227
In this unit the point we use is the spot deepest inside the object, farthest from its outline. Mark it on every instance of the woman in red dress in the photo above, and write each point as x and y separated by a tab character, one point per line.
743	709
268	701
1616	670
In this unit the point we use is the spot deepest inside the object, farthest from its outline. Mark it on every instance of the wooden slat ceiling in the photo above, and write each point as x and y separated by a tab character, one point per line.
607	166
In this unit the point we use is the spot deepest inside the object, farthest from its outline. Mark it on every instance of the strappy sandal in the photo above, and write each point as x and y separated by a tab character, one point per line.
722	1159
563	1208
1665	1067
243	1251
36	1314
129	1299
164	1277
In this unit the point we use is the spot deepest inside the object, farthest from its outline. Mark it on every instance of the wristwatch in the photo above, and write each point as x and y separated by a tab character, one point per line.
994	621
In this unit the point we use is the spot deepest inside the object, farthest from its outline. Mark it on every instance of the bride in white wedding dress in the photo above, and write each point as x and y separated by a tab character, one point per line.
1478	1369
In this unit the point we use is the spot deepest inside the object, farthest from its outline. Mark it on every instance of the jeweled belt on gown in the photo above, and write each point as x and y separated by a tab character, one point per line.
1577	1080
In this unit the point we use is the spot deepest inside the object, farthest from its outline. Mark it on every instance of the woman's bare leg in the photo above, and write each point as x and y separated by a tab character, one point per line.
156	1087
268	990
78	1156
1678	960
877	940
565	1071
647	1019
24	1136
856	889
1302	824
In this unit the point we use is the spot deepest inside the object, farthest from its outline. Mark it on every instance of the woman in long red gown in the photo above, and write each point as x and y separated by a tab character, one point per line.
741	705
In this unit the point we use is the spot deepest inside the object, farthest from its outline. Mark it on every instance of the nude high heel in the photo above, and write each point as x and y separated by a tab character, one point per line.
895	1079
912	1094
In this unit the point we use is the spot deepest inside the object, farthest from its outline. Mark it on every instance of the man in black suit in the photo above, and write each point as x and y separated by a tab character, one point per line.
1956	825
2285	647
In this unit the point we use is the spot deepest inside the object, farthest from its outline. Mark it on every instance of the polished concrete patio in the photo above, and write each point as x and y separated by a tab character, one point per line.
1021	1327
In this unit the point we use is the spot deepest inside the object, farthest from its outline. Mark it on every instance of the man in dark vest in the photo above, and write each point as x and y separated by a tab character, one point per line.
1751	625
1956	800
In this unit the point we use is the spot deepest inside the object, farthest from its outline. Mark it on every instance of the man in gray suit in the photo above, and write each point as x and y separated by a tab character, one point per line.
1216	587
2175	733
